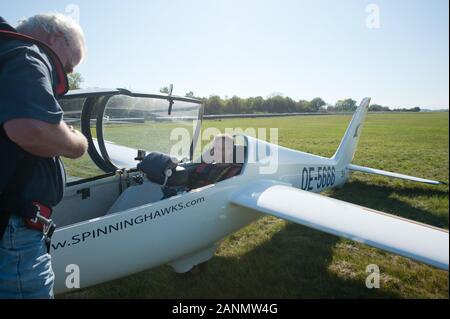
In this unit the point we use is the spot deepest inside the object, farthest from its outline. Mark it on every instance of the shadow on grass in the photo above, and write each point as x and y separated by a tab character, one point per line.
379	197
294	263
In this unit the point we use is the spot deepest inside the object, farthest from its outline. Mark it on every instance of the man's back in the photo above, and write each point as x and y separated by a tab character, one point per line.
33	135
22	64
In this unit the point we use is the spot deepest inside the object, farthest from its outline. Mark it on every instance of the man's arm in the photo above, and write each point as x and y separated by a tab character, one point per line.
44	139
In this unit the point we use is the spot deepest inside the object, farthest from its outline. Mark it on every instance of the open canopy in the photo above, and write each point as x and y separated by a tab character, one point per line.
118	122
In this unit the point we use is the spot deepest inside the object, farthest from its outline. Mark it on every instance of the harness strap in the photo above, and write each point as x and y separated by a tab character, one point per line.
62	85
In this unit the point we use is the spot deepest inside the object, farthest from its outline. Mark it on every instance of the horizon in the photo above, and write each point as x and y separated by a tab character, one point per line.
395	52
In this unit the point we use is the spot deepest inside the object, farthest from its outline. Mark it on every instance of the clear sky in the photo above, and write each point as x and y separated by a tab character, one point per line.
301	49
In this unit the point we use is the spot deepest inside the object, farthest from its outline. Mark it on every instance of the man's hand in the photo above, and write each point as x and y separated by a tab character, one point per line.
82	146
46	140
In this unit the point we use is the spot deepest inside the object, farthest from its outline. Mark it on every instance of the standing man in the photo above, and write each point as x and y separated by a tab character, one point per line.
34	60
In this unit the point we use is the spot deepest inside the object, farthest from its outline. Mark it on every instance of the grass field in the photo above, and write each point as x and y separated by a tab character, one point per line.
272	258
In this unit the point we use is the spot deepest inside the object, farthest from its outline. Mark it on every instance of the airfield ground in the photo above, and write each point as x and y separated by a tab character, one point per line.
272	258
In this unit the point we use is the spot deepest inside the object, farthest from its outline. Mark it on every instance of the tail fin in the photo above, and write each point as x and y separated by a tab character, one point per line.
347	148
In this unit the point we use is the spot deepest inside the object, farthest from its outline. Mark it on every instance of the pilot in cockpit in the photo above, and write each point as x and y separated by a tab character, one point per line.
219	161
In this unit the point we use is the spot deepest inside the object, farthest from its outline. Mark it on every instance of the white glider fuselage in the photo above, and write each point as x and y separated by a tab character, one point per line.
112	226
182	230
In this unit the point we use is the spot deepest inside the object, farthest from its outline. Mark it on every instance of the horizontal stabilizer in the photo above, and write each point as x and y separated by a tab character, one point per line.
369	170
395	234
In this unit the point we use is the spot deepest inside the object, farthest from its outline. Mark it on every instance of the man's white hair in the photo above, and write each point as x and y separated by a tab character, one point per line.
56	22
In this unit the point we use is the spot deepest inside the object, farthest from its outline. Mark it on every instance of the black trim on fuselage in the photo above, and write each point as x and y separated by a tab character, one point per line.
89	179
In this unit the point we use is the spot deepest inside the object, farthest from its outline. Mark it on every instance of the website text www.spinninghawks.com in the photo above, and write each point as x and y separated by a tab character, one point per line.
126	223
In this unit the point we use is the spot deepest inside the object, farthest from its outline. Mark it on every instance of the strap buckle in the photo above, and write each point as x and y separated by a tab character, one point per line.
47	223
42	220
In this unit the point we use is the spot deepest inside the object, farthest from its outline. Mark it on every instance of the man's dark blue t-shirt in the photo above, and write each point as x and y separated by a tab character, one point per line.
27	80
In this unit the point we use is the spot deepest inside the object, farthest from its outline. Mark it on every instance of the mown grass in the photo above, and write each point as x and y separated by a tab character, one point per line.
272	258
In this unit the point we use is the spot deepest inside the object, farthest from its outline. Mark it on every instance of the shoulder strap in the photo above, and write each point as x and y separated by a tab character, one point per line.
62	85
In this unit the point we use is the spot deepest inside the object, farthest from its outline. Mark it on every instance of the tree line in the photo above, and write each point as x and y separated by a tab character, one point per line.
283	104
276	103
215	105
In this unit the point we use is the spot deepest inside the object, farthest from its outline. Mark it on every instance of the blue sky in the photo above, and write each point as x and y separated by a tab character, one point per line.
301	49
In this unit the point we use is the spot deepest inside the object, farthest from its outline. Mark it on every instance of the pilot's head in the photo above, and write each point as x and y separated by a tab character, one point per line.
221	150
61	33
